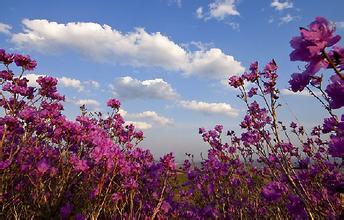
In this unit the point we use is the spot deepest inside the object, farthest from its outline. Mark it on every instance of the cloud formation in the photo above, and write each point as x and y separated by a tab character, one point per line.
64	82
219	10
130	88
210	108
139	124
280	6
288	92
102	43
153	116
5	28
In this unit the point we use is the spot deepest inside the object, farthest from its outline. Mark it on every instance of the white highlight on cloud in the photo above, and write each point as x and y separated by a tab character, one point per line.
64	82
90	104
130	88
138	48
286	19
222	8
219	9
210	108
151	115
199	12
139	124
92	83
5	28
87	102
288	92
32	79
280	6
71	83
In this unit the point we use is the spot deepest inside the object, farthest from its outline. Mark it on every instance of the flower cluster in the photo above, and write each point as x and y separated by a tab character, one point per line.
92	167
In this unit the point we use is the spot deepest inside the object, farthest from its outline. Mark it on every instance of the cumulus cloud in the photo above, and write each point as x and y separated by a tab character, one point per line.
139	124
91	104
210	108
64	82
280	6
151	115
199	12
288	92
92	83
87	102
102	43
71	83
286	19
5	28
219	9
222	8
130	88
32	79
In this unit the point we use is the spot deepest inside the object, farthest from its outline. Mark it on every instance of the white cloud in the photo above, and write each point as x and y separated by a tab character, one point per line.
138	48
92	83
288	92
151	115
5	28
71	83
130	88
210	108
91	104
222	8
139	124
199	12
234	25
286	19
280	6
63	81
339	24
32	79
87	102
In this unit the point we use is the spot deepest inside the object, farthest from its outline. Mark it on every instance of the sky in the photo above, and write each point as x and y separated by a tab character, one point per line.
167	61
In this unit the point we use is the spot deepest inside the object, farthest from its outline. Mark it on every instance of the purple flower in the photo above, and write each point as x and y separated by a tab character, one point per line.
66	210
43	166
273	191
235	81
113	103
336	146
25	61
313	40
329	125
6	58
335	91
165	206
252	92
299	81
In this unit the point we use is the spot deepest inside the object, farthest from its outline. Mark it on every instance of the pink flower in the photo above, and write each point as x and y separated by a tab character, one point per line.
113	103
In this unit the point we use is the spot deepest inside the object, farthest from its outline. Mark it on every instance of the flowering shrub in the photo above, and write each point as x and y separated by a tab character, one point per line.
51	166
91	167
264	172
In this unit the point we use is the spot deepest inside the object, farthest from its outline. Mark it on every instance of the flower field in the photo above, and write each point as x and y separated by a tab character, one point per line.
93	167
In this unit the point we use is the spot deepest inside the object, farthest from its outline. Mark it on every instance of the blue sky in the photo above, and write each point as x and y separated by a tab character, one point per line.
166	60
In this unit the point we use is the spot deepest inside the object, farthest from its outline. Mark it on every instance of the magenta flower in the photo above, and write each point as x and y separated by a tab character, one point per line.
25	61
43	166
335	91
313	40
336	146
273	191
235	81
299	81
113	103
